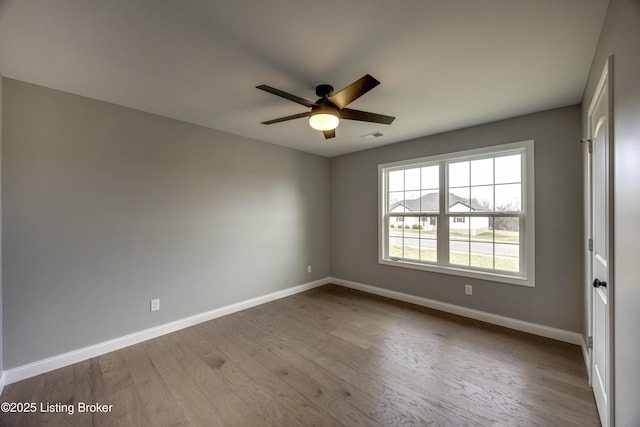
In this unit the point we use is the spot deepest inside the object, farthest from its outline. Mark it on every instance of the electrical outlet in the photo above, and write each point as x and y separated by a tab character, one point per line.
468	289
309	268
155	304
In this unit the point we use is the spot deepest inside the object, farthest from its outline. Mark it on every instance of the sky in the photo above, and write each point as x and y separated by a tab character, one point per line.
492	182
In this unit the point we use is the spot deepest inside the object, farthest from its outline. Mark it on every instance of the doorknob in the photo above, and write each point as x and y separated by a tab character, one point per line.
597	283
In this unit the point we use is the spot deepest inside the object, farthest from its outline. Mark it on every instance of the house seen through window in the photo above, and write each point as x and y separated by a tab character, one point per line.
468	213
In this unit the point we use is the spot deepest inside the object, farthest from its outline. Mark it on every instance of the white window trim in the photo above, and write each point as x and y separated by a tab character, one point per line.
528	232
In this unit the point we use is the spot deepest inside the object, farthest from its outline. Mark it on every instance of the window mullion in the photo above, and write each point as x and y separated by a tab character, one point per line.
443	220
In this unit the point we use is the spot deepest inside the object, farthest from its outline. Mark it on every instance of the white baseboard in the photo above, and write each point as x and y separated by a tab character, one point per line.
507	322
41	366
2	378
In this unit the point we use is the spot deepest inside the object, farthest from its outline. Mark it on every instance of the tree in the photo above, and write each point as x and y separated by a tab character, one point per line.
507	223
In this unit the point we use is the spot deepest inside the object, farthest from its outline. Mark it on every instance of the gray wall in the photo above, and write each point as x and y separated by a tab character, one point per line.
105	207
621	37
556	299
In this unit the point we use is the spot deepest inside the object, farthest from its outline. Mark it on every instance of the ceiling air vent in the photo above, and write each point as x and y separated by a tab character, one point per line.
372	135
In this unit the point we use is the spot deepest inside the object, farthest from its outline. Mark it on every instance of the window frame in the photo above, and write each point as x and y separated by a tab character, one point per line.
525	277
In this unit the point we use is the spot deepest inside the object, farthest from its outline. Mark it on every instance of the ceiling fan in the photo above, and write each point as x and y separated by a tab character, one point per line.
327	111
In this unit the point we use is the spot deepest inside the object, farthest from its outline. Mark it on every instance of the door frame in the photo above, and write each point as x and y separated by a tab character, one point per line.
606	77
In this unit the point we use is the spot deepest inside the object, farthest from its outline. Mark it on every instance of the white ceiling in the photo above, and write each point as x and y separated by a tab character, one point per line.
443	64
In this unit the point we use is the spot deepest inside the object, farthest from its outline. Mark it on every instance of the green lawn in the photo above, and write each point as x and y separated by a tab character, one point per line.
500	235
456	258
412	252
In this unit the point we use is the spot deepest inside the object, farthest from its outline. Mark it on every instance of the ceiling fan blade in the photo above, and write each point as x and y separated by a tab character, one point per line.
284	119
286	95
329	133
354	91
364	116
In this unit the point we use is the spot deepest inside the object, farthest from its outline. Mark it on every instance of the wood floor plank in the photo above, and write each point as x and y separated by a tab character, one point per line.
553	383
550	390
118	391
469	343
333	405
58	389
192	400
330	356
283	350
389	387
264	408
456	388
219	394
159	406
379	410
396	395
82	391
307	412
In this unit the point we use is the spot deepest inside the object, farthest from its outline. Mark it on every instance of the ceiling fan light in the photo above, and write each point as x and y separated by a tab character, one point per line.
324	120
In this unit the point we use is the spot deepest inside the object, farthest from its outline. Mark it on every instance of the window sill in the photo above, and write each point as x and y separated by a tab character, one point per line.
493	277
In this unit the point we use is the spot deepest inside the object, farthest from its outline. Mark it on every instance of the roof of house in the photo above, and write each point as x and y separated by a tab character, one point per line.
429	202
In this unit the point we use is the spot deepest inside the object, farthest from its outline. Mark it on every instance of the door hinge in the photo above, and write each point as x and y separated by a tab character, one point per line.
589	144
590	343
591	245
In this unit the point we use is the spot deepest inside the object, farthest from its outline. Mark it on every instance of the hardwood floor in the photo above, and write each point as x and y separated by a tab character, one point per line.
330	356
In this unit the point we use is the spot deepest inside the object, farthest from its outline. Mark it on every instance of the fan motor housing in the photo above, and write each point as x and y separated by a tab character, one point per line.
324	91
325	107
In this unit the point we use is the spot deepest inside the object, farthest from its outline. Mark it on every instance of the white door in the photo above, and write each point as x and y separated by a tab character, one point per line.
601	274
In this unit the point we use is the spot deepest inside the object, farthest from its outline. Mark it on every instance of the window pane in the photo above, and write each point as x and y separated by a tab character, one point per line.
459	240
412	179
458	253
396	201
459	228
507	257
395	250
482	198
430	177
428	250
458	174
459	199
482	172
396	226
411	247
430	201
396	235
428	238
412	226
507	229
508	169
396	180
482	255
480	228
507	238
428	227
412	201
508	197
404	237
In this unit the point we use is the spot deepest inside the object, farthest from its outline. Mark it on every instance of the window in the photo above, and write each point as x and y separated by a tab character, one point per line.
468	213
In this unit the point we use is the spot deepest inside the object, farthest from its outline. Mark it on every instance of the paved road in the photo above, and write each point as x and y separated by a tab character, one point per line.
502	249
